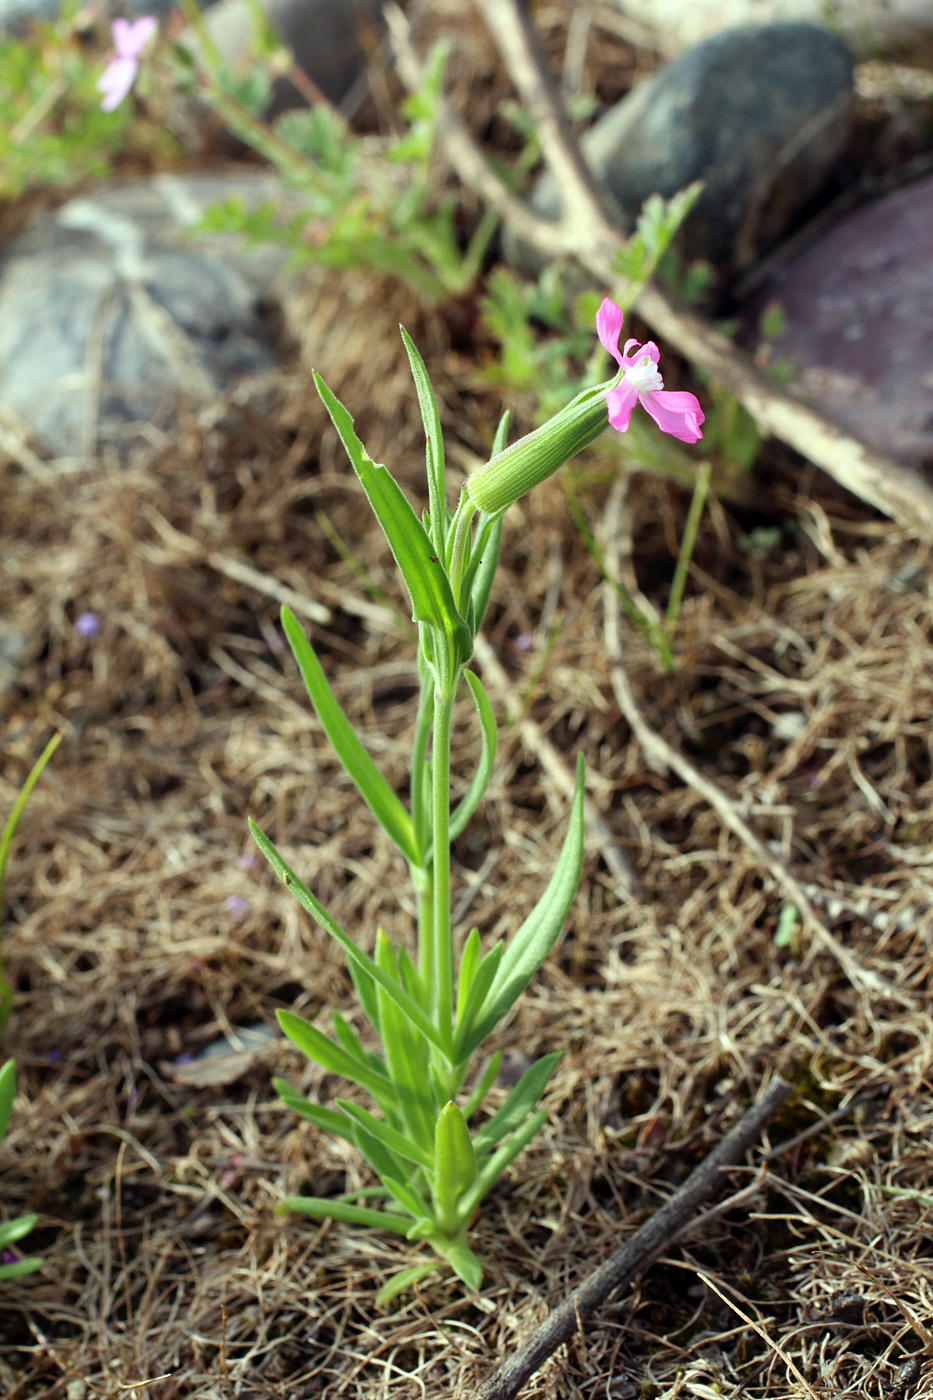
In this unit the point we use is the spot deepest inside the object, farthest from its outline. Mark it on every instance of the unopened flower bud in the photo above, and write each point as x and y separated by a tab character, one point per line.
535	457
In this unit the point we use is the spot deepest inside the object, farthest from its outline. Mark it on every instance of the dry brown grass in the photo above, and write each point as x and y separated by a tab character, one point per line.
165	1263
803	690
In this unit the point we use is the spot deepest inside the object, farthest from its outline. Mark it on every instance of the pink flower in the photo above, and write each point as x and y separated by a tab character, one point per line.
679	414
118	77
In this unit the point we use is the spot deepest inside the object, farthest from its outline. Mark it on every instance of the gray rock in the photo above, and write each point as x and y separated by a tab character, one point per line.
110	310
328	38
870	28
760	114
858	324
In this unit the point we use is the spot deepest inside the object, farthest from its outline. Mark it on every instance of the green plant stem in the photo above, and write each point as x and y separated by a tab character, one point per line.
9	830
687	545
442	985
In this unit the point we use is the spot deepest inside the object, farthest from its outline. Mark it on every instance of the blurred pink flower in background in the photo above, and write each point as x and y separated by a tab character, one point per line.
677	413
118	77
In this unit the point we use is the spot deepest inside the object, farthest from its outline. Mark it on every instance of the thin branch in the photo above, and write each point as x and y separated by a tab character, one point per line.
637	1253
586	233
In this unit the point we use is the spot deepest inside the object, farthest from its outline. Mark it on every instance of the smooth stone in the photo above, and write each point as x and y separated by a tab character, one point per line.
110	311
760	114
869	28
328	38
858	324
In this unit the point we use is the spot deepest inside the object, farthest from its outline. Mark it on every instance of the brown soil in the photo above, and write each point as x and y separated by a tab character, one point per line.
803	690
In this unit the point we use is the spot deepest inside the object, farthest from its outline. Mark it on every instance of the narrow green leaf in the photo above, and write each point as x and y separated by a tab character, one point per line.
475	999
371	785
395	1142
318	1047
518	1105
454	1166
326	1209
530	945
20	1268
351	1043
404	1279
408	1197
406	1004
487	724
493	1167
484	1084
327	1118
7	1093
434	443
366	991
464	1264
411	978
406	1055
13	1230
483	565
423	572
383	1162
469	960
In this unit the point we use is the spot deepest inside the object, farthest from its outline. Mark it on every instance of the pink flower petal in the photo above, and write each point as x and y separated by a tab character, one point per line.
620	402
129	40
675	412
115	82
609	327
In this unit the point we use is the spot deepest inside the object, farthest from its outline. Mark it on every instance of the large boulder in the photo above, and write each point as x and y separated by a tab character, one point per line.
111	311
870	28
761	115
857	333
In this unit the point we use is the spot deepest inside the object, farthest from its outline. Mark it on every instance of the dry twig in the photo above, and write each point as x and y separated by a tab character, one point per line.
635	1255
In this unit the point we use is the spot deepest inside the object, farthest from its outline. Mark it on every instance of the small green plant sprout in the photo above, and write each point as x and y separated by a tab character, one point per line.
353	206
6	837
13	1230
434	1153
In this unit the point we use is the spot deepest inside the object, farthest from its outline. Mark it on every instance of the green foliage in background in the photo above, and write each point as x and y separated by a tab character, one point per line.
52	131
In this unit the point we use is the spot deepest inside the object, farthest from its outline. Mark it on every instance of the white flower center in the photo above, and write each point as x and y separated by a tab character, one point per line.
643	374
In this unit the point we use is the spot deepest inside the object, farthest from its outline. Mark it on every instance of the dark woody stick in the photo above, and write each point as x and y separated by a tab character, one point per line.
637	1253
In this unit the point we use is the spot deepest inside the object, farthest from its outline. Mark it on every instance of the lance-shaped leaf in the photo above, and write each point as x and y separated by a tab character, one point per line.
327	1118
372	786
434	442
492	1168
484	1084
395	1142
315	908
408	1197
383	1161
7	1093
366	991
462	1260
527	949
482	570
423	571
476	995
404	1279
454	1166
406	1056
325	1209
487	725
335	1058
13	1230
518	1105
